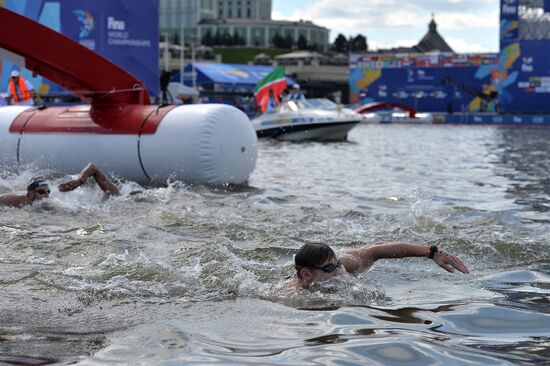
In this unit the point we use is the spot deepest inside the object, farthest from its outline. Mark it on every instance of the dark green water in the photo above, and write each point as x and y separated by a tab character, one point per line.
188	274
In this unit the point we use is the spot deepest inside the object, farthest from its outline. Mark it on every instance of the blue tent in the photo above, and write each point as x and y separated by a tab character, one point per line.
227	78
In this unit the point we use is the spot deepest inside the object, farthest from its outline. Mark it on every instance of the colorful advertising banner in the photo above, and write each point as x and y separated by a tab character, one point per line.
124	31
517	80
426	89
523	70
425	82
400	60
530	89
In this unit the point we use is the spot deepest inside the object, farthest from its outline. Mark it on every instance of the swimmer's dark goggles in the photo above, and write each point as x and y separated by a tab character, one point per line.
327	268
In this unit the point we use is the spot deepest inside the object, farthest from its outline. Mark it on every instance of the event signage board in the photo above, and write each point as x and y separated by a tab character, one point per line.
425	82
523	64
530	90
124	31
517	80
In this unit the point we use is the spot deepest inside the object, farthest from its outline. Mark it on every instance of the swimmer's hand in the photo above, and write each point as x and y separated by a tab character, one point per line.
70	185
449	262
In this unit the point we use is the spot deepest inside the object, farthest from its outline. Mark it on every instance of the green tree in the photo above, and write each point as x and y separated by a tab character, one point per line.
227	39
217	38
278	41
176	38
302	42
340	44
288	41
242	40
207	39
236	39
359	44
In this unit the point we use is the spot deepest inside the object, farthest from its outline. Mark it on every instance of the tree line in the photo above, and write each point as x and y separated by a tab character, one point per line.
351	44
341	44
223	39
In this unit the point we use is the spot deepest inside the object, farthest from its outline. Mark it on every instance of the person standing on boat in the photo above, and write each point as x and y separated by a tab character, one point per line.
318	262
283	97
296	94
271	102
20	91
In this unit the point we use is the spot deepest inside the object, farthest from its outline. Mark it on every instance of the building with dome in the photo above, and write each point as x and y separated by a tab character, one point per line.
431	42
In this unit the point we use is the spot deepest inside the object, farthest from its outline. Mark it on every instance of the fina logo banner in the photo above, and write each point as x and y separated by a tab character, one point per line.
509	20
509	9
87	20
123	31
87	25
117	34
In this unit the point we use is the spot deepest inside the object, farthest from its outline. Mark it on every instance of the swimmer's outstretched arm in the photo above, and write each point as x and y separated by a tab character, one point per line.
14	200
358	260
91	170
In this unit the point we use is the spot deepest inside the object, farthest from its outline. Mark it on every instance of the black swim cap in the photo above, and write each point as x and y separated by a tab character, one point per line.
312	255
36	182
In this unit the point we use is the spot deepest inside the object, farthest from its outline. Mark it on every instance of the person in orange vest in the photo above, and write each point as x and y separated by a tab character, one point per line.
20	91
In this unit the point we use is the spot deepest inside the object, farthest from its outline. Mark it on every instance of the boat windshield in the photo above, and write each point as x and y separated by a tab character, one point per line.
317	103
294	105
322	103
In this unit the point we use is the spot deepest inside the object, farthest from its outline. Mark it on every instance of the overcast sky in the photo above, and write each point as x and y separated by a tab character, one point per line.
466	25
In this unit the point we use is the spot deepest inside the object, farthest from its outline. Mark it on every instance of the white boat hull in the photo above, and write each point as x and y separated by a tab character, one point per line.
396	118
300	121
314	131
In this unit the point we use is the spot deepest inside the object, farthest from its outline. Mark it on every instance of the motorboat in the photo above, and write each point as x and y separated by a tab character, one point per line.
310	119
389	112
397	117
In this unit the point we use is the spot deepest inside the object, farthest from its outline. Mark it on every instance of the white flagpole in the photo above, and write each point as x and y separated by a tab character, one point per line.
182	44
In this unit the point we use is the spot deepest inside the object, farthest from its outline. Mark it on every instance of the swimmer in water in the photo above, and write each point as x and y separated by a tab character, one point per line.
318	262
38	188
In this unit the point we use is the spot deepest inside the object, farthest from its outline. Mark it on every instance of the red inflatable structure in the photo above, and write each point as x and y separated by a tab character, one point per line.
376	106
118	129
110	90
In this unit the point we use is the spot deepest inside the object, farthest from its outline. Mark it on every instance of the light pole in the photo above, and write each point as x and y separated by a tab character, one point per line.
193	38
166	51
182	51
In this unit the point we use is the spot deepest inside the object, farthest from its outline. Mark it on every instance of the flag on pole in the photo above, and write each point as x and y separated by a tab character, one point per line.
274	80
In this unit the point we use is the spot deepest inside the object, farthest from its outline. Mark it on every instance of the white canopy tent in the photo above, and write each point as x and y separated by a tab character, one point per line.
179	91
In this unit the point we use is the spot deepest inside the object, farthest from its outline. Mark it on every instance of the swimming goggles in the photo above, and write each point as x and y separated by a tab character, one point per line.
327	268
